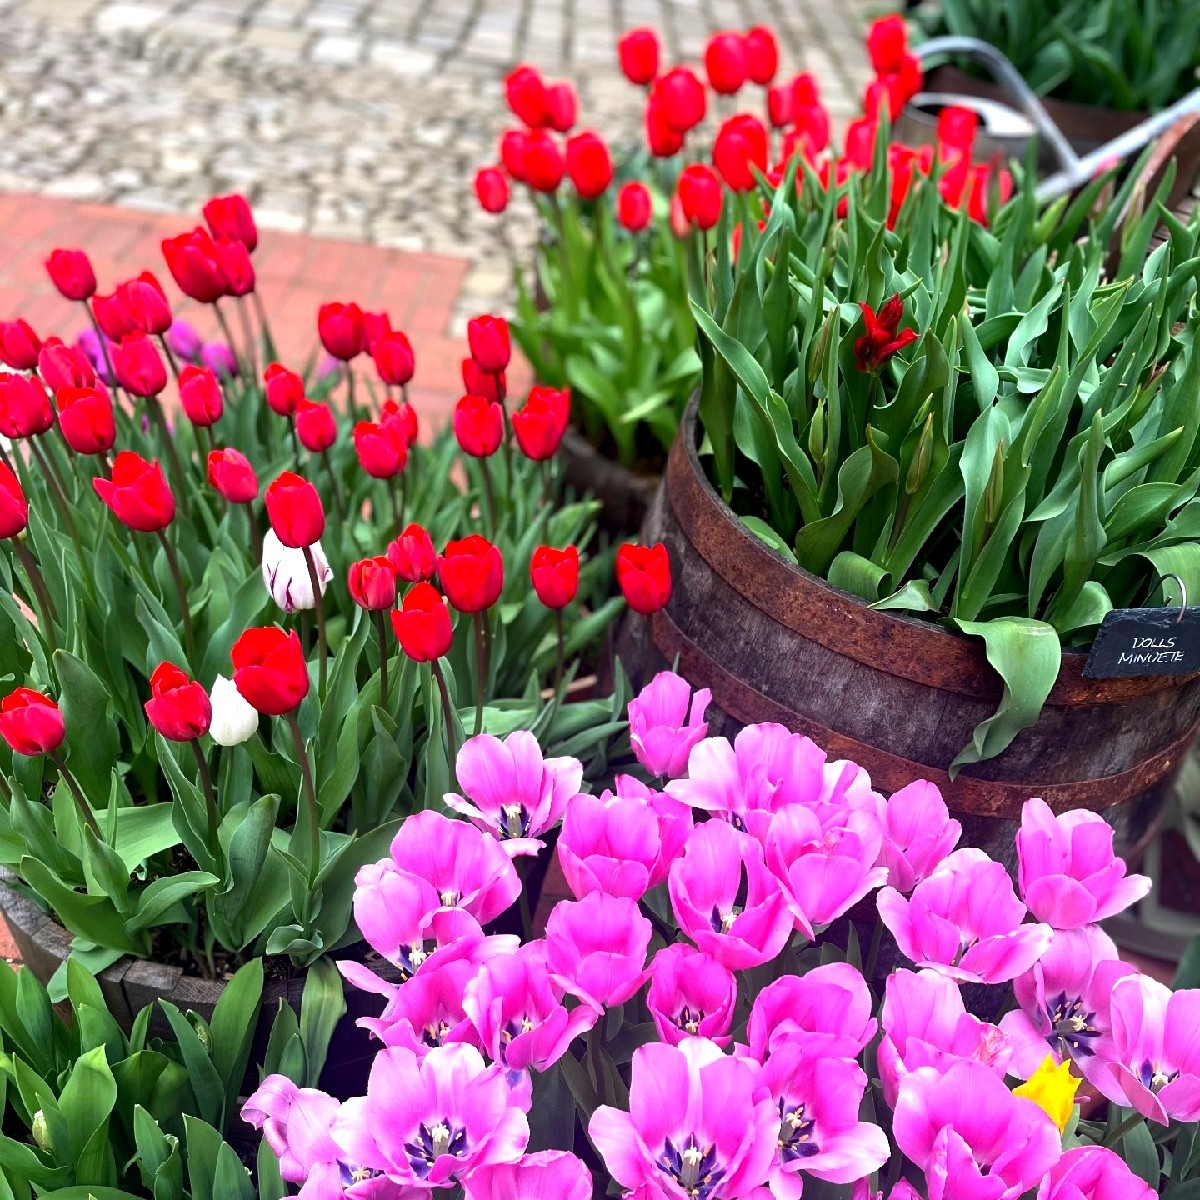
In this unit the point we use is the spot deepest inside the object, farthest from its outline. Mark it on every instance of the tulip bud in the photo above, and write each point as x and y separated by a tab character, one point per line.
478	382
394	360
315	426
19	345
488	340
234	721
25	409
31	723
918	469
14	509
526	95
555	575
412	555
286	576
230	217
422	624
372	583
471	573
478	426
401	419
816	434
200	395
112	315
634	206
644	576
230	472
342	330
381	448
725	63
138	365
195	265
993	494
146	303
562	107
39	1130
284	389
638	54
137	493
491	189
269	669
71	272
589	164
85	416
178	708
700	194
294	510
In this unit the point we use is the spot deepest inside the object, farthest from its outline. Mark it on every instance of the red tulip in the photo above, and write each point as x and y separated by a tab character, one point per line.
315	426
284	389
178	708
230	472
236	266
762	55
478	426
634	206
381	449
725	62
478	382
19	345
956	129
64	366
562	107
491	189
269	670
883	337
741	145
471	573
542	161
195	265
589	164
512	152
294	510
681	227
85	416
638	54
422	624
112	316
402	418
664	140
230	217
71	272
412	555
682	97
540	424
489	343
555	575
31	723
139	367
137	493
342	330
376	325
887	42
146	304
200	395
372	583
394	360
700	195
779	105
644	576
526	95
14	508
24	406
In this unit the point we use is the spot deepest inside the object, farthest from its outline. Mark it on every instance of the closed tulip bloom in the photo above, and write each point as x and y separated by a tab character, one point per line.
478	426
422	624
562	107
112	315
762	55
682	98
609	844
700	195
542	161
230	217
315	426
269	670
412	555
342	330
19	345
525	92
219	359
1093	1173
137	493
887	41
779	105
826	1011
664	140
665	722
489	342
285	573
25	409
556	1173
725	63
30	723
294	510
644	576
394	360
146	304
234	721
284	389
200	395
184	342
634	206
540	423
555	575
372	583
471	573
491	189
14	508
401	419
596	948
690	995
512	152
478	382
236	267
918	834
178	708
589	164
741	147
376	325
195	265
139	366
381	449
64	366
71	272
230	472
638	54
85	416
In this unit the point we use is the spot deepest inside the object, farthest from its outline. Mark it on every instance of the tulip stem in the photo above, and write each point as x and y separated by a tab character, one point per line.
319	604
350	391
1111	1139
334	492
310	797
448	715
160	422
489	498
381	629
255	536
481	665
226	332
263	326
5	791
523	901
248	336
166	347
103	341
40	591
60	499
189	636
85	809
560	662
295	441
210	799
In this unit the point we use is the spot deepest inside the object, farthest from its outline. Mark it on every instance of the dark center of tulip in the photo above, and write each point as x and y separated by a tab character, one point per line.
431	1143
1155	1076
516	1028
796	1138
409	958
515	823
1072	1027
722	922
352	1175
688	1020
435	1032
692	1167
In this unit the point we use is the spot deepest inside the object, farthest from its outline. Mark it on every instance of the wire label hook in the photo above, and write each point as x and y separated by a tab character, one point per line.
1147	641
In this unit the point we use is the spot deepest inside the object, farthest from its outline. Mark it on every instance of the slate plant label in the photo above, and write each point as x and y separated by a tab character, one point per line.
1145	641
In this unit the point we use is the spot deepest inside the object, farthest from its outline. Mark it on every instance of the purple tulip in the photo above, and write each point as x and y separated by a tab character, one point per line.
827	1011
971	1136
431	1122
918	834
90	343
512	792
675	822
1068	873
726	900
820	1134
1064	1003
609	844
693	1114
549	1175
596	948
965	920
427	1011
184	342
925	1024
690	995
1093	1173
219	359
665	722
1155	1063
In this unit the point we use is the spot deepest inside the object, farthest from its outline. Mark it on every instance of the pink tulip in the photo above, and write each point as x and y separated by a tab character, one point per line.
1093	1173
827	1011
548	1175
427	1011
513	793
918	834
965	921
665	722
726	900
674	820
691	995
596	948
609	844
1068	873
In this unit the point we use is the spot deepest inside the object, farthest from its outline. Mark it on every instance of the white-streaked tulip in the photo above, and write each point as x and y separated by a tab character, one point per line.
286	574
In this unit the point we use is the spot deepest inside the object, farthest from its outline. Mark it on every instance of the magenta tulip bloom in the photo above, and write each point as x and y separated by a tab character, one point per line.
549	1175
825	859
1155	1063
427	1011
971	1136
965	920
1093	1173
1068	873
609	844
820	1133
1064	1001
512	792
827	1011
690	995
926	1024
918	833
694	1115
596	948
726	900
665	722
674	818
432	1122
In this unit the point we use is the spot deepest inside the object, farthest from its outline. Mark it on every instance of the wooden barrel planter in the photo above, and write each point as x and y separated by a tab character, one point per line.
625	496
895	694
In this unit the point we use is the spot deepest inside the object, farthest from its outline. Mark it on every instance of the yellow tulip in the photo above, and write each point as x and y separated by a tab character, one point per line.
1052	1088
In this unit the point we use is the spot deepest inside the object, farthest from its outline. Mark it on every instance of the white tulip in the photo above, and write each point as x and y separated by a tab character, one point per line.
286	574
234	719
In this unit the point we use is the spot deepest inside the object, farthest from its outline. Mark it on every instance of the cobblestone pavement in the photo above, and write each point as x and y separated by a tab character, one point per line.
360	119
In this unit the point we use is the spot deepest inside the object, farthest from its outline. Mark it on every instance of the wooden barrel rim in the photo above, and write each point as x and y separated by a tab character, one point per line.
841	622
889	772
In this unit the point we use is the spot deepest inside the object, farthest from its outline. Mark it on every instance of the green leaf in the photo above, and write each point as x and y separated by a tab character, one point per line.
207	1085
322	1005
234	1020
91	740
87	1100
858	575
163	894
1141	1155
93	918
